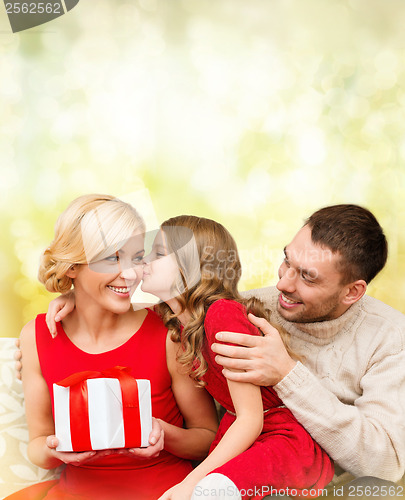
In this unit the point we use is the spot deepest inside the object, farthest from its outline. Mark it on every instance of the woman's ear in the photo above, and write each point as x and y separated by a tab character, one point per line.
72	272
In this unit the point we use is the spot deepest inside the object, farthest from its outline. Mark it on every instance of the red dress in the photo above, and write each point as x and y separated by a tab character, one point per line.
284	455
115	476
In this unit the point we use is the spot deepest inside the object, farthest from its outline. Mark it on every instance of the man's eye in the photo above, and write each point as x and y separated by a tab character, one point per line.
307	278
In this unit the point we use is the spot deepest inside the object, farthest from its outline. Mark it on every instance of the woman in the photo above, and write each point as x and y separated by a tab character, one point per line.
260	447
98	248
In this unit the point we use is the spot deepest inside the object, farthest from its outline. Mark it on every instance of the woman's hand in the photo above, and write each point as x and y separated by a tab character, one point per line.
182	491
58	309
156	440
72	457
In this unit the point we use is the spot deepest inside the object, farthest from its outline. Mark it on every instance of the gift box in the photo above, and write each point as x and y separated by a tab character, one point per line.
102	410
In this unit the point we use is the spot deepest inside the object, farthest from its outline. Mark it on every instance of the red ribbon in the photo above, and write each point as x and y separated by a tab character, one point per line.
79	409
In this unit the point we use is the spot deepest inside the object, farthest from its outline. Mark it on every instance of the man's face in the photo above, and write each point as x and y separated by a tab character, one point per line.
309	282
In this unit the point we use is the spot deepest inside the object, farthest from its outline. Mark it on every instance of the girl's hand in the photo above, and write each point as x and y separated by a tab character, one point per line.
156	440
182	491
58	309
72	457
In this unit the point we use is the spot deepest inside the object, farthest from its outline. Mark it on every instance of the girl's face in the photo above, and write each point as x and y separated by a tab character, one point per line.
111	281
160	270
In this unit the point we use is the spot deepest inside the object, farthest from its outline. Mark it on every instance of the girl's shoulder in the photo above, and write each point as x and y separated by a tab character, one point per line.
226	312
225	306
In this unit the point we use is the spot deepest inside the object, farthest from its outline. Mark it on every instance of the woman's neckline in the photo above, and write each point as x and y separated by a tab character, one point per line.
61	330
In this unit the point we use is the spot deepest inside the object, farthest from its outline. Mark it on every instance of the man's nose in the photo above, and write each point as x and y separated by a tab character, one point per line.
286	282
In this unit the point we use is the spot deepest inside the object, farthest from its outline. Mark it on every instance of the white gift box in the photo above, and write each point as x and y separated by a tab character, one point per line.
105	415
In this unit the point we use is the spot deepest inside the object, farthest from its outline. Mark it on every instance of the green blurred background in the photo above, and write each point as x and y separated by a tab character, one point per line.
252	112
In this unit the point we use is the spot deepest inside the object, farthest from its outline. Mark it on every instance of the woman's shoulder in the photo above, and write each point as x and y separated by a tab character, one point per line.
28	330
27	336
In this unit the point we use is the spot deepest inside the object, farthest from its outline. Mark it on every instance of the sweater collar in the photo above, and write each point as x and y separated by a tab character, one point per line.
322	330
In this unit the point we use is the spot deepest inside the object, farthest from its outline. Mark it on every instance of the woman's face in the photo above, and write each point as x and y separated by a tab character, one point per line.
160	270
111	281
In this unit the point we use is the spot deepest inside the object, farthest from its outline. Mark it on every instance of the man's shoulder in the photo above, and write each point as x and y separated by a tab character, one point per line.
376	307
383	316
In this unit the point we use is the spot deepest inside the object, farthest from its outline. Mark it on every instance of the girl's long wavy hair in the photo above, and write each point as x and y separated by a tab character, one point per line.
208	251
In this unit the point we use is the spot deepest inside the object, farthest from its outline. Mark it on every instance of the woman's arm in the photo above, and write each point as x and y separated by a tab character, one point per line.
197	408
38	409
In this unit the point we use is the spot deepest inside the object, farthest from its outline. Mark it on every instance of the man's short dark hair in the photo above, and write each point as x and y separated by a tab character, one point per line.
355	233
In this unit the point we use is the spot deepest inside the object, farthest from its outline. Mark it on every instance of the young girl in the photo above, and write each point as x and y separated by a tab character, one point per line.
260	447
98	248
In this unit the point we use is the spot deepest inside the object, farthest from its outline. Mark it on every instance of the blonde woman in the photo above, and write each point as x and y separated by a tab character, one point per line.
260	446
98	249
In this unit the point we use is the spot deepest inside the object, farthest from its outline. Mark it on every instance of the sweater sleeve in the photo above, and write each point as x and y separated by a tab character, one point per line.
366	438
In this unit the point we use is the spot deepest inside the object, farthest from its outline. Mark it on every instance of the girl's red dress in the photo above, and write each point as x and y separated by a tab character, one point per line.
284	455
115	476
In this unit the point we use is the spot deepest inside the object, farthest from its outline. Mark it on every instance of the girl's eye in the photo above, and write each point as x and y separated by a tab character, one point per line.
158	254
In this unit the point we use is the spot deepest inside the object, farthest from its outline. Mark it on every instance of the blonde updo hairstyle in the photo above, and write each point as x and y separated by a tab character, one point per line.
91	228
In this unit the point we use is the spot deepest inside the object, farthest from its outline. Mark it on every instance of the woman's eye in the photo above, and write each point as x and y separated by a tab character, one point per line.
138	260
112	258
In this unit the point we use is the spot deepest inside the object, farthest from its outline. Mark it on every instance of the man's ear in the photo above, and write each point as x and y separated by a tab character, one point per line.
72	272
354	292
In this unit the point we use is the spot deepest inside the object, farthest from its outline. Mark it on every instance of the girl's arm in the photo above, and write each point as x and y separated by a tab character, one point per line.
38	409
247	401
58	309
197	408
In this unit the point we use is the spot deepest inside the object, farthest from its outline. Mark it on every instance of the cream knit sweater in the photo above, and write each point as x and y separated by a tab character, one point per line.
349	390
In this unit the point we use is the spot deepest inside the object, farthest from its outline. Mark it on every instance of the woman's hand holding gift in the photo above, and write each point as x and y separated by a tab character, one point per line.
156	440
72	457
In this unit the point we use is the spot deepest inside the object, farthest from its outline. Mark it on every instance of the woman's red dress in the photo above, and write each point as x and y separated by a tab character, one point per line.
115	476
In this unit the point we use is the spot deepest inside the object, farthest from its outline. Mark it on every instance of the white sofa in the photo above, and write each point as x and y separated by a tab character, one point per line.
16	471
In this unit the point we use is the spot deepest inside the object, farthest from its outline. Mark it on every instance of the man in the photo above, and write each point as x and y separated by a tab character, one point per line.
347	388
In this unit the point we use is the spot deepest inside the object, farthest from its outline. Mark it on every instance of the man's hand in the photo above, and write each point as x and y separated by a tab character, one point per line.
259	360
18	361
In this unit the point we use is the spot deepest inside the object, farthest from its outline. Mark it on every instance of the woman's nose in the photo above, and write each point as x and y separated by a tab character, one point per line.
129	273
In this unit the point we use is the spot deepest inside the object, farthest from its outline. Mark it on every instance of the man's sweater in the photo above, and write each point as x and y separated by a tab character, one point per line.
349	389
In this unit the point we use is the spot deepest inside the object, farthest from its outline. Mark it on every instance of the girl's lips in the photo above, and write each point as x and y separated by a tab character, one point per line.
286	302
